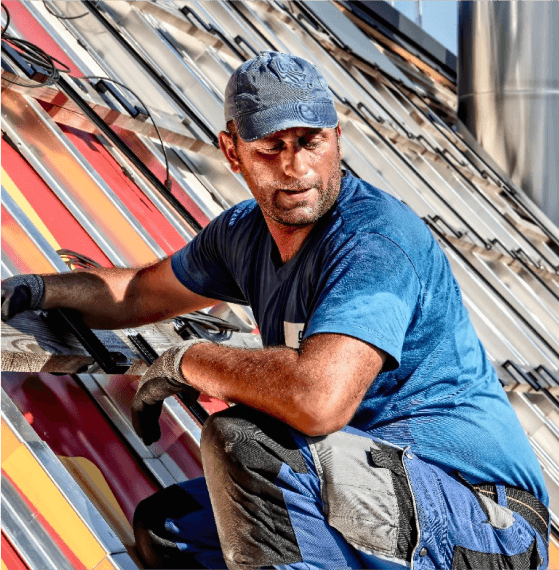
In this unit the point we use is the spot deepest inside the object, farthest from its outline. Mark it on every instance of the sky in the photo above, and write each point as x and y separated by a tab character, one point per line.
439	18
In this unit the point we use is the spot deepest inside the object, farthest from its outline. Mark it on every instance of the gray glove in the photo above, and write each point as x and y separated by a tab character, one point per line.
162	379
21	293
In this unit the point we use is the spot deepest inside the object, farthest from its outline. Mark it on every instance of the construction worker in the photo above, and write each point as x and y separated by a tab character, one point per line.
371	431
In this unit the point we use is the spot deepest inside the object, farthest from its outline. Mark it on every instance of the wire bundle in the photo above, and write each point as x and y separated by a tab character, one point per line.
32	55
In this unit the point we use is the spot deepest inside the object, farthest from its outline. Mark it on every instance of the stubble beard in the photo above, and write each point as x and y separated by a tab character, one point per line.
303	215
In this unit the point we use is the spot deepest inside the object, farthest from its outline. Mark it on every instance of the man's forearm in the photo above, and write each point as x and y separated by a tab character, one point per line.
119	297
261	378
98	294
292	386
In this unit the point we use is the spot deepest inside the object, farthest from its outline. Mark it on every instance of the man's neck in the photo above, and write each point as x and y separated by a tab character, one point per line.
289	239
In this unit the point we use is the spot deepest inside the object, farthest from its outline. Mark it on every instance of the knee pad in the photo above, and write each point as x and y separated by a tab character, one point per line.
243	451
245	436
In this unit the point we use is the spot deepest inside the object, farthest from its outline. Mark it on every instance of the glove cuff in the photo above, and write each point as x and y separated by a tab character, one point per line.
34	284
179	353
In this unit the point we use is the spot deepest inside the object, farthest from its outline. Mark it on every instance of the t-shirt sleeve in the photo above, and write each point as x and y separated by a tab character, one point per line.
368	289
206	266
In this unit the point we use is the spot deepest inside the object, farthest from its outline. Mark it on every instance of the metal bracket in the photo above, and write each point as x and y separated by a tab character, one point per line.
69	319
551	378
520	376
110	362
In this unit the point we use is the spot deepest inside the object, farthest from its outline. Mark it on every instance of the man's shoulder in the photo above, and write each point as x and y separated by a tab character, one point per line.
366	209
232	228
236	220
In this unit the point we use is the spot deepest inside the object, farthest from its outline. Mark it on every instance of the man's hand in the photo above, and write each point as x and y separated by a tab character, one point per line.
21	293
162	379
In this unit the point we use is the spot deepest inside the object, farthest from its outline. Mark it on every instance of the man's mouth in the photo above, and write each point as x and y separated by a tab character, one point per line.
296	192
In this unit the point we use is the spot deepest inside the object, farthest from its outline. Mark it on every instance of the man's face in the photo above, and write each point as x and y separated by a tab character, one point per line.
293	174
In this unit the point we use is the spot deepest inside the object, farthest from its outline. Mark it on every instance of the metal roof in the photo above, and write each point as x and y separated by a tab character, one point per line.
68	183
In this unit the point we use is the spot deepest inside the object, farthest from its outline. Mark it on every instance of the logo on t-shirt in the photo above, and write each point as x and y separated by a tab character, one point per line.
293	333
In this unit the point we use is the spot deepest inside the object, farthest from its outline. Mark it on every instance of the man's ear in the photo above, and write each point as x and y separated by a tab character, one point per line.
227	147
339	133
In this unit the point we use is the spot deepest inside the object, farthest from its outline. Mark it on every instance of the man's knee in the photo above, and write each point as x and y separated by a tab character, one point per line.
249	439
243	451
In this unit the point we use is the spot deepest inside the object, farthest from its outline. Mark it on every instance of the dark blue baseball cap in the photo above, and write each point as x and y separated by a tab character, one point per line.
277	91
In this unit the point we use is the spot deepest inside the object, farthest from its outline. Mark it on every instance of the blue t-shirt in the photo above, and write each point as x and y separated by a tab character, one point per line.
371	269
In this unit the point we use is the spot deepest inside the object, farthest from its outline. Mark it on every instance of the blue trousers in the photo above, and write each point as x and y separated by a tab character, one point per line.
274	498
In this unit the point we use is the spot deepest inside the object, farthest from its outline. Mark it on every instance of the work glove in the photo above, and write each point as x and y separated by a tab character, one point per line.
21	293
162	379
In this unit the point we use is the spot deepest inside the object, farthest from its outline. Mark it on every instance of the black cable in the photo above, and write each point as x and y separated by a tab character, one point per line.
160	78
168	181
50	11
7	19
33	55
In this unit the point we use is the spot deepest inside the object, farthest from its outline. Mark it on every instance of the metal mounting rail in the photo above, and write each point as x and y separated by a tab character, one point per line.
111	362
517	372
149	356
67	87
235	7
489	203
186	11
390	145
518	256
497	177
161	80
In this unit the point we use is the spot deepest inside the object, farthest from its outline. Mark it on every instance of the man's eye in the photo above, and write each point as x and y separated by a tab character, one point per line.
311	143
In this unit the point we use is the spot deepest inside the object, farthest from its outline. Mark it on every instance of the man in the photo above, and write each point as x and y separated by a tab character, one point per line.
371	431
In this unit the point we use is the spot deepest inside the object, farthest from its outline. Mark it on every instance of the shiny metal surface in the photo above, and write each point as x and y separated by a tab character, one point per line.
42	244
61	478
502	333
177	222
24	531
7	267
168	63
508	83
81	188
55	28
352	37
110	55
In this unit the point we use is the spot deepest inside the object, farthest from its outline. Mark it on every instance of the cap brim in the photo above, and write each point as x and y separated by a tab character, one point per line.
318	114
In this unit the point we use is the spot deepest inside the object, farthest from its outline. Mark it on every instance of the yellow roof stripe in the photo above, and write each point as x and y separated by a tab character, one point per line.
28	210
90	478
20	465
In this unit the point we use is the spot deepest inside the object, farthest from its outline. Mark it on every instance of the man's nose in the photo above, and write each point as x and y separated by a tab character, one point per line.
295	162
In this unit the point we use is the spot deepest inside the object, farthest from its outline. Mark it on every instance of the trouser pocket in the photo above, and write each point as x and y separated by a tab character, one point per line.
463	558
493	500
365	493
